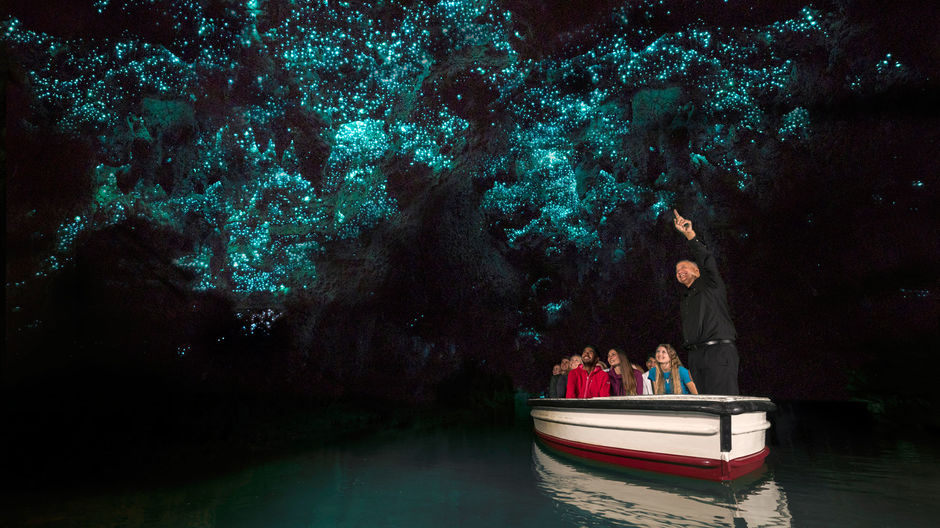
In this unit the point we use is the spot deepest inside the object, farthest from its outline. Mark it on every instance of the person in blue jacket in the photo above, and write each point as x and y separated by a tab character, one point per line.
669	376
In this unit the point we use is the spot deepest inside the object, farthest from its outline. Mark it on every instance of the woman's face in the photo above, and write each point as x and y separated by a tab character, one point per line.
613	359
564	364
662	356
575	362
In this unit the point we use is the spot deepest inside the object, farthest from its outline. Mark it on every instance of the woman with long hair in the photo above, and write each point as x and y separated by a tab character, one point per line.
669	376
621	384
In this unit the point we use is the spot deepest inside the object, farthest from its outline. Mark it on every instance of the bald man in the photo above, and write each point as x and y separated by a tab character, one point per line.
707	330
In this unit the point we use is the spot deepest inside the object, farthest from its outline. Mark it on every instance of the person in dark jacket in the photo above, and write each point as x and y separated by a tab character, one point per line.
553	382
707	331
561	382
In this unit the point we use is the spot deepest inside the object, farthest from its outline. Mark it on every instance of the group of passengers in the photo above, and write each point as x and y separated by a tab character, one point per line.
587	376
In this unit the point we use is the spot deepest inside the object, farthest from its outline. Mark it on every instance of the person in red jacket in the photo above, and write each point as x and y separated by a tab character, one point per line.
588	380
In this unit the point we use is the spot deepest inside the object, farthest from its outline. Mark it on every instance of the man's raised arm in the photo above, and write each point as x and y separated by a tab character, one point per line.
683	226
703	256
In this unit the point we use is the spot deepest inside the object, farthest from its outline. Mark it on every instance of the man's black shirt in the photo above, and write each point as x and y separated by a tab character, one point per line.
704	305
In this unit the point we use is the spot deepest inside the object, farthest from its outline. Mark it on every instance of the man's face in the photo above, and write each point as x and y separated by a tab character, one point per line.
650	363
686	273
556	370
564	364
589	356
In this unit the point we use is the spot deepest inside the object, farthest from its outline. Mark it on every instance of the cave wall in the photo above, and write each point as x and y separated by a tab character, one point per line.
364	199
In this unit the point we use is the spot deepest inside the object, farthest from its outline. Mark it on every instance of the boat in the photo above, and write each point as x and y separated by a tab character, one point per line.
718	438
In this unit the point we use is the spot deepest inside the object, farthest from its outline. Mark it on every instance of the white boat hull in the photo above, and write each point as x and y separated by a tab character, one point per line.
708	437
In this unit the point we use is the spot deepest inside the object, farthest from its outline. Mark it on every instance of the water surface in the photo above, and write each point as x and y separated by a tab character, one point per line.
500	476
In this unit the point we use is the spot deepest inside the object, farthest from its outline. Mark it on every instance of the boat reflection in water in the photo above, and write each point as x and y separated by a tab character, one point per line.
635	498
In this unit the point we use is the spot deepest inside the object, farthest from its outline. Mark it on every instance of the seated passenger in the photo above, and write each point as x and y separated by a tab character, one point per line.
574	362
553	381
669	376
621	385
647	385
588	380
561	383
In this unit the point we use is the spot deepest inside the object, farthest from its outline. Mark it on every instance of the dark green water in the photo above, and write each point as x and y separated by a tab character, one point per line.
498	476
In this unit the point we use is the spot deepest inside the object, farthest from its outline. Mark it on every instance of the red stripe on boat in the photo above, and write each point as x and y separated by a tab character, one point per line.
686	466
